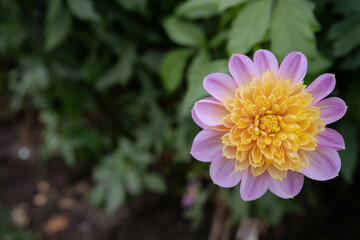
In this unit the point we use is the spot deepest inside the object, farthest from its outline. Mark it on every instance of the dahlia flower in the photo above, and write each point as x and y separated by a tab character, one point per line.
264	128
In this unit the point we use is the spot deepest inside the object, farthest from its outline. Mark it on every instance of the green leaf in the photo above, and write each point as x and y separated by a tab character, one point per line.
225	4
133	181
345	35
249	26
58	24
97	195
194	9
133	5
119	73
154	182
196	90
115	197
349	156
184	32
83	9
292	28
172	67
317	64
238	207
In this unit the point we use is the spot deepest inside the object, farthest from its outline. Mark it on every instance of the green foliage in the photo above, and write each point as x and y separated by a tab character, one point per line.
172	67
292	28
184	32
114	82
58	24
273	208
196	75
250	26
134	5
83	9
345	35
124	171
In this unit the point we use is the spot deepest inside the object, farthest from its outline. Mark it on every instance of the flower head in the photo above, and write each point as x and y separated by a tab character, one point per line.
265	128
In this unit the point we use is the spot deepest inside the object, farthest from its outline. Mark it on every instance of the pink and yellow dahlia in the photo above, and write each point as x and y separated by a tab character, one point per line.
265	128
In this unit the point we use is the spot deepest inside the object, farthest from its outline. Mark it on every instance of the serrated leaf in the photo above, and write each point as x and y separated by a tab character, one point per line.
345	35
172	67
196	90
184	32
58	24
115	197
154	182
349	156
249	26
292	28
83	9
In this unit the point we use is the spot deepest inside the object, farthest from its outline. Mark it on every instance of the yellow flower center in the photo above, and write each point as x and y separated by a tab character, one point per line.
270	123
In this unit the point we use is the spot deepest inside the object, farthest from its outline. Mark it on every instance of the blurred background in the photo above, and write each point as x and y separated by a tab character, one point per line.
95	126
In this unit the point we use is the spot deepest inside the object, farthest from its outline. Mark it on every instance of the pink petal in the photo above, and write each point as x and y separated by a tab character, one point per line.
242	69
207	146
324	162
331	138
223	173
321	87
220	85
252	187
294	67
210	111
264	61
289	187
331	109
197	120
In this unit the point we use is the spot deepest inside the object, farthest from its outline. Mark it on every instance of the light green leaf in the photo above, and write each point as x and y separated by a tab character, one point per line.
349	156
200	58
172	67
184	32
97	195
58	24
196	90
249	27
133	181
154	182
83	9
115	197
292	28
225	4
194	9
